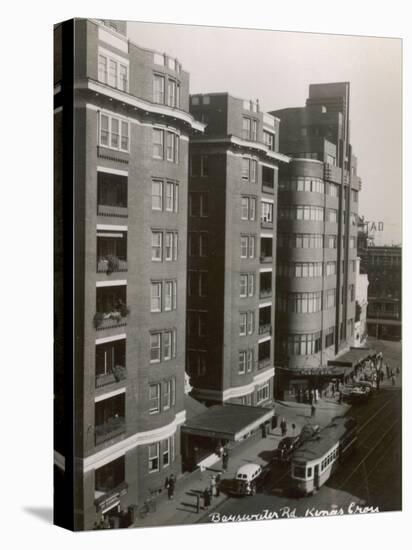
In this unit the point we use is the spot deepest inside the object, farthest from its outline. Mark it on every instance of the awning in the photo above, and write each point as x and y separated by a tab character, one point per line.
353	357
389	322
231	422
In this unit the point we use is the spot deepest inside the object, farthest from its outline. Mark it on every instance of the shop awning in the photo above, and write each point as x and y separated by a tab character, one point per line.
352	357
230	422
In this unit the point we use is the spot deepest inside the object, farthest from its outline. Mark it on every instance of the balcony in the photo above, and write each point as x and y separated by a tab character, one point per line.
265	293
265	329
266	259
112	427
105	497
116	374
115	211
263	363
111	264
266	224
111	308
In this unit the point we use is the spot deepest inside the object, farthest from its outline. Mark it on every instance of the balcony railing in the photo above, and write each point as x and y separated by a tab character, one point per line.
266	259
105	497
265	362
111	264
265	293
265	329
114	318
107	210
117	374
112	428
265	224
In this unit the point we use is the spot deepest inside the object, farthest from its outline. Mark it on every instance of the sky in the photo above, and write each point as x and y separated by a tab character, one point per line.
277	67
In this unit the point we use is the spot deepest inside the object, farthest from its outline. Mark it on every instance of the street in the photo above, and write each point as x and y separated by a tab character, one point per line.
369	480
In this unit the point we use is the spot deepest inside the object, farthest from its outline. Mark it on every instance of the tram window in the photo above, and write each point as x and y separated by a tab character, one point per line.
299	471
309	472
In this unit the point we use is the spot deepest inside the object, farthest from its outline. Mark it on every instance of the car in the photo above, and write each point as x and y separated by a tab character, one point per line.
247	479
286	447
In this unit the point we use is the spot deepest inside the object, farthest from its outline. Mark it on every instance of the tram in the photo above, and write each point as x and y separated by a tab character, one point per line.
316	459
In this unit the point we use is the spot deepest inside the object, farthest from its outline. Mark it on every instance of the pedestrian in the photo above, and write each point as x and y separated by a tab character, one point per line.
225	459
218	482
312	411
398	370
387	371
382	375
283	427
293	428
316	395
171	487
340	397
206	498
393	380
299	395
213	486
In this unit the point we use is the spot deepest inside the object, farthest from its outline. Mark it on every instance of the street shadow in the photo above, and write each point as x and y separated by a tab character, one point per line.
43	513
268	456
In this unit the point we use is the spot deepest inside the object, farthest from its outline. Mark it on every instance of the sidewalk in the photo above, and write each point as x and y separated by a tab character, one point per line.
182	510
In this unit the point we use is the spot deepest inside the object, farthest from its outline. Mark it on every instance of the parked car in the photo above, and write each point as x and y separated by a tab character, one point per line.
247	479
286	447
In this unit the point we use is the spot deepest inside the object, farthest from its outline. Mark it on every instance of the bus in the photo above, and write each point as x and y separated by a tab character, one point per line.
317	458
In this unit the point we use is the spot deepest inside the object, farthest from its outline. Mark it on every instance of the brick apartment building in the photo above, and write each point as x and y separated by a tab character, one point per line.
128	109
232	251
316	241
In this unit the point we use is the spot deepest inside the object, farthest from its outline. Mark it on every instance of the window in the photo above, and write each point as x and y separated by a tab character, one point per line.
156	297
171	240
199	165
330	298
198	283
170	295
269	140
113	72
250	322
172	197
301	344
249	128
243	324
166	452
154	457
330	241
169	394
197	363
157	238
247	285
165	146
197	323
249	170
158	89
267	212
299	240
333	215
157	195
157	143
352	242
154	398
198	204
352	292
155	348
333	190
171	93
248	210
299	269
198	244
301	212
162	346
250	358
301	183
300	302
330	268
262	393
354	195
242	362
114	132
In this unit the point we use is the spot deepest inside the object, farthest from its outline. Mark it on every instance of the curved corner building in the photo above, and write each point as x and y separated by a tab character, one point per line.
130	157
316	245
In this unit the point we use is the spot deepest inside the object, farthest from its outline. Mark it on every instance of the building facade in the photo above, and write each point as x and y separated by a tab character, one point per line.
383	266
130	157
361	297
316	242
233	184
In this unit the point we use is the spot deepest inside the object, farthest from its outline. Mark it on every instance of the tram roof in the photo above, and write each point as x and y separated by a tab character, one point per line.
319	445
